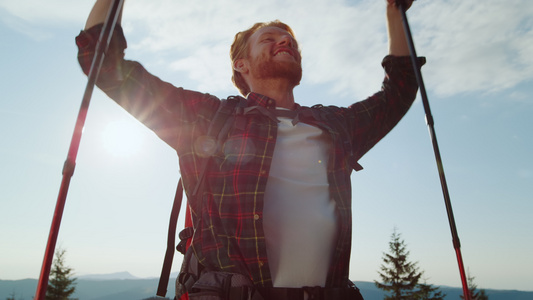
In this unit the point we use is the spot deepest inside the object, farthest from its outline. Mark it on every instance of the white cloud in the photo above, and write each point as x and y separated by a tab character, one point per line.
37	34
207	68
48	12
342	44
37	19
475	47
471	46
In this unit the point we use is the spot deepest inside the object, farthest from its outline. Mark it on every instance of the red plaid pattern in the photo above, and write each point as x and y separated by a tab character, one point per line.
230	234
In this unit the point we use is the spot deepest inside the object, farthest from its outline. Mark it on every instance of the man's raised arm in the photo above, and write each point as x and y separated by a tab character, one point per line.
99	13
159	105
397	39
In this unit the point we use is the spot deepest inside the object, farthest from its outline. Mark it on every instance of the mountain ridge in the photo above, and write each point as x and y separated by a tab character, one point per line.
125	286
111	276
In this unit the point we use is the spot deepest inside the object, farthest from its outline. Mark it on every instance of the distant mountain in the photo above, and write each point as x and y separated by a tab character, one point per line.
92	289
112	276
122	287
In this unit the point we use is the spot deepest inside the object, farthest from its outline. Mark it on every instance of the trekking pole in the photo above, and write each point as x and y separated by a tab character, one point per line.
70	163
430	122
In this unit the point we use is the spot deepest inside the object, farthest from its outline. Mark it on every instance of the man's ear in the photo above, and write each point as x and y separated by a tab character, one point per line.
241	66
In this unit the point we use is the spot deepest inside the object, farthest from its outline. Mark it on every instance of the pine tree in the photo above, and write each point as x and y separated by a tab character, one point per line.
61	284
398	275
427	291
11	297
472	289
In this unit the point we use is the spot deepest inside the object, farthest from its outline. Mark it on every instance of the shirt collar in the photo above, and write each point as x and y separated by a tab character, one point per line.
264	101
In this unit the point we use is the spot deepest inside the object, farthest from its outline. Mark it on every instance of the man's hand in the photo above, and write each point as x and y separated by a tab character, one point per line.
99	13
392	3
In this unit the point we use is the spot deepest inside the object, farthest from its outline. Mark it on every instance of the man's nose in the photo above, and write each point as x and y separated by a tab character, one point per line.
286	40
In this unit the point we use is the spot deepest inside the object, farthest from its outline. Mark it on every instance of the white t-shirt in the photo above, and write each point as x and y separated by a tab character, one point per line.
299	216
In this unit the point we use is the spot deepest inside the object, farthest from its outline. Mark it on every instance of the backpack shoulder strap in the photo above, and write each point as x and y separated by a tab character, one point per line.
218	128
225	113
171	239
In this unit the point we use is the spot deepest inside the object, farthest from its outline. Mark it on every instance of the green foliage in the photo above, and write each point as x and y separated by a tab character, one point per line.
400	277
472	288
11	297
61	284
427	291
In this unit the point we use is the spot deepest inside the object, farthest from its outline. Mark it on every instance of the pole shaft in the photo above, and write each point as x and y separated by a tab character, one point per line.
430	122
68	168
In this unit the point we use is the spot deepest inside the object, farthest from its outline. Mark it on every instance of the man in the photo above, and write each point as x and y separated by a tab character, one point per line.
272	215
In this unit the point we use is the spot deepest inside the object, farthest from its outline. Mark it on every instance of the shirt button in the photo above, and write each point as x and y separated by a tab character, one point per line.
261	264
256	217
262	172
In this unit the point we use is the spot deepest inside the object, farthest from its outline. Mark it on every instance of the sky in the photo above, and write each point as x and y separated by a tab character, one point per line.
479	80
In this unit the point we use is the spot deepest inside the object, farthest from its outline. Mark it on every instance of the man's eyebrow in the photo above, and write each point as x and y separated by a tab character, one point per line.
273	32
267	33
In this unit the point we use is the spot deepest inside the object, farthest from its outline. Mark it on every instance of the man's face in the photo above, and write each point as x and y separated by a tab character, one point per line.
273	53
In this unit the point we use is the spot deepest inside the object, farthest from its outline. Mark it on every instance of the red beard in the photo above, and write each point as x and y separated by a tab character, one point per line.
265	68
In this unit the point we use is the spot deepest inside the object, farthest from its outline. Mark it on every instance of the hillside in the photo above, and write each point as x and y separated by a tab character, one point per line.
139	289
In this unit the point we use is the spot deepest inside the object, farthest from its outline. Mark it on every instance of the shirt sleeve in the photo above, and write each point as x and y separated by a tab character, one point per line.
370	120
162	107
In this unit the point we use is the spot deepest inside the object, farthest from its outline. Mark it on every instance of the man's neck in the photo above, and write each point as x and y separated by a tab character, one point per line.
277	90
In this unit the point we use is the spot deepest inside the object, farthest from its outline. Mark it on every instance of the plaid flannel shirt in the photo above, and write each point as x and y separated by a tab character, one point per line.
230	235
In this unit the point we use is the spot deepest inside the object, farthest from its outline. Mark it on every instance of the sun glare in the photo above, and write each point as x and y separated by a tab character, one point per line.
121	138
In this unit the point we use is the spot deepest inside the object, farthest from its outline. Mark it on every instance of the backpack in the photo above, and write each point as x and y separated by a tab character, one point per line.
218	130
222	122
